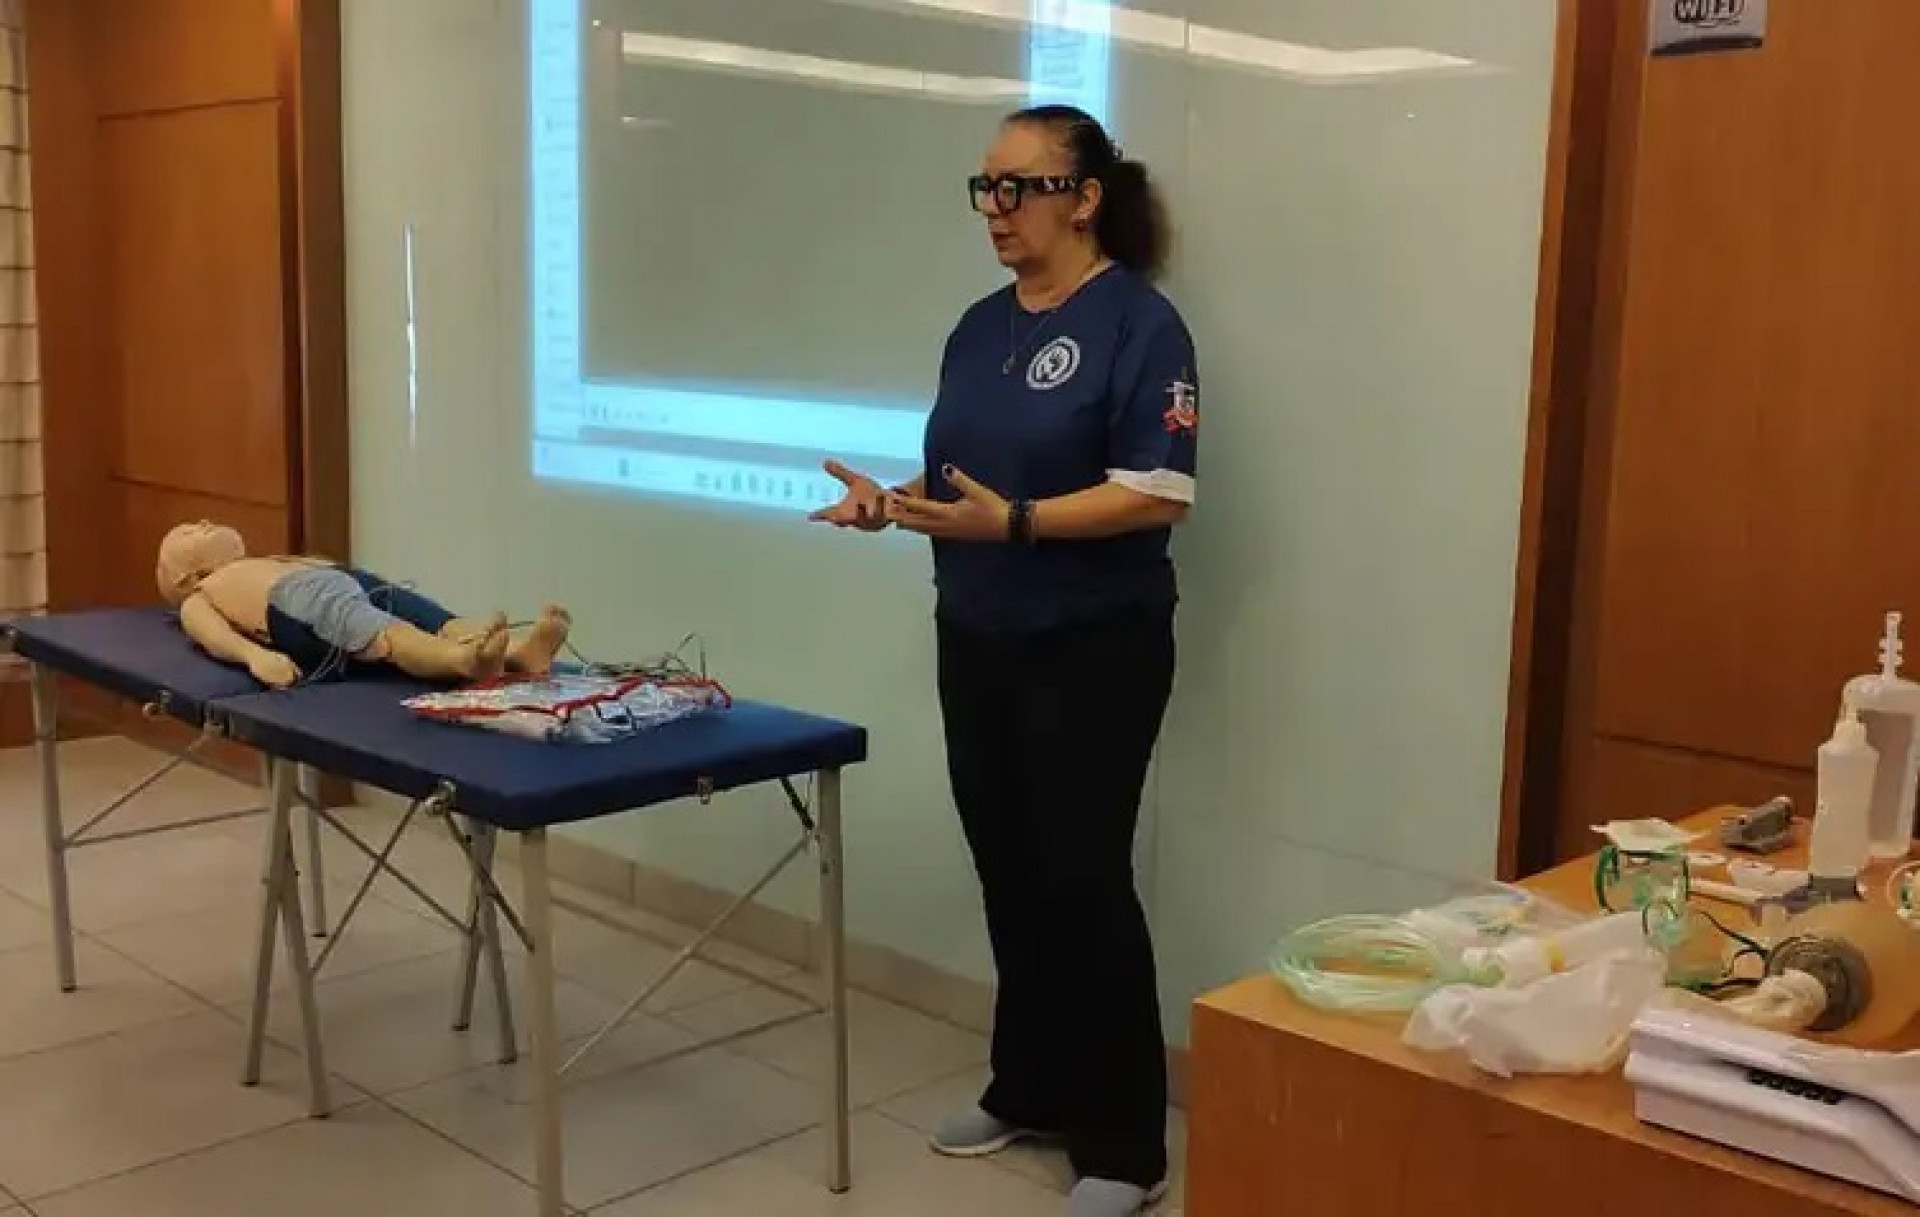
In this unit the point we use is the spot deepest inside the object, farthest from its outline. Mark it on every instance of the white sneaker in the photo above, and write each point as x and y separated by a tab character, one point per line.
975	1134
1108	1198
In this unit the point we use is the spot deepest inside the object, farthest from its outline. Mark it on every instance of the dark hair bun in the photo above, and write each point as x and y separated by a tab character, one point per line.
1131	226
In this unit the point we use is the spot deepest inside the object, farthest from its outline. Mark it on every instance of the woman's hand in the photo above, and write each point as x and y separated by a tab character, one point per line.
864	506
979	515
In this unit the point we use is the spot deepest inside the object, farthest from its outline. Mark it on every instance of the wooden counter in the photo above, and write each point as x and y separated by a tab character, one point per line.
1298	1113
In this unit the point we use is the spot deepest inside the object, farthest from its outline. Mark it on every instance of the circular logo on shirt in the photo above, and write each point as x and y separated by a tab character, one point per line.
1054	365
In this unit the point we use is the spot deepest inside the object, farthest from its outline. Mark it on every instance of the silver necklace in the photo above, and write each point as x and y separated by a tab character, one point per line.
1015	346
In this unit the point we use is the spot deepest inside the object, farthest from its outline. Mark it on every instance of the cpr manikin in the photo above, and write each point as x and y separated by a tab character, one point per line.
287	619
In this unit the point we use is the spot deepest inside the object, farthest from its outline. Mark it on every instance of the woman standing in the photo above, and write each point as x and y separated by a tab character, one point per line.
1059	455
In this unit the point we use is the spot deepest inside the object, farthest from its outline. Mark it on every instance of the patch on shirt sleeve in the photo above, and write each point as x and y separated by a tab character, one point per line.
1182	416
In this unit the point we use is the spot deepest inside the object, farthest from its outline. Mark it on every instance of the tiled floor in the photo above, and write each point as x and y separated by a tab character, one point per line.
122	1100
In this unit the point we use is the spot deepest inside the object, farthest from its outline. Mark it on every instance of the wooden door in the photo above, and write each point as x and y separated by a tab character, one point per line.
1751	474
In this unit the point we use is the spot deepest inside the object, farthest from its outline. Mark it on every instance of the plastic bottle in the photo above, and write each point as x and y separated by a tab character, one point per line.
1889	705
1525	960
1842	843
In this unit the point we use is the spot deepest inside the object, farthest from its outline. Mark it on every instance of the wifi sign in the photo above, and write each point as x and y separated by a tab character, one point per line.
1709	14
1682	27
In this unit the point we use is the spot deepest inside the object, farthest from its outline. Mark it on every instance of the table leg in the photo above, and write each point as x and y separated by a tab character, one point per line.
833	923
292	923
470	953
46	742
487	842
273	877
316	862
550	1163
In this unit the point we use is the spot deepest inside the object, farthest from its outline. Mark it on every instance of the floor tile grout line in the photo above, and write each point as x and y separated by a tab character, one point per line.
816	1126
570	1041
387	1101
963	1071
717	1164
286	989
691	1051
695	1048
867	1105
231	1013
168	1159
438	1134
94	1041
360	1097
202	1006
369	1098
95	939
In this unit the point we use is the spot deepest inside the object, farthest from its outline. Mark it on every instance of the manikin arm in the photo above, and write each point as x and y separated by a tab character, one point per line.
207	626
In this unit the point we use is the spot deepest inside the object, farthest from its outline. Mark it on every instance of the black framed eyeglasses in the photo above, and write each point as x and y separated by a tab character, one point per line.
1009	189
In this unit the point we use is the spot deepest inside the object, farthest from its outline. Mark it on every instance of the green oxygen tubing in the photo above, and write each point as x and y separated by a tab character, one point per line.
1374	964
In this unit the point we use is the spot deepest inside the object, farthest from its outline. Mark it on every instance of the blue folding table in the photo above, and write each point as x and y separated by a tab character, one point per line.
491	782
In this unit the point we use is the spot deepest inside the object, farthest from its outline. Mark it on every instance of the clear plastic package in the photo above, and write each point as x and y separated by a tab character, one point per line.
1390	963
576	708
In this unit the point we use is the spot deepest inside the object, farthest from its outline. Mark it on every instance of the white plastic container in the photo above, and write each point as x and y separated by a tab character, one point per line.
1525	960
1842	842
1889	706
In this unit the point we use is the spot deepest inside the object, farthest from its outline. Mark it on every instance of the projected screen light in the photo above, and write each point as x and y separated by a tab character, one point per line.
745	257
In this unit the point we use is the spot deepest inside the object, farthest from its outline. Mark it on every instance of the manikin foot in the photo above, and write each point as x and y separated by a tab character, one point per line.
534	654
490	656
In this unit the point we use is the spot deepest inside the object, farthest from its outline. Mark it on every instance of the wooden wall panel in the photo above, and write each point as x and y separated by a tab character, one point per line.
1836	471
1628	779
194	218
1672	631
149	511
155	55
1750	488
1763	492
78	354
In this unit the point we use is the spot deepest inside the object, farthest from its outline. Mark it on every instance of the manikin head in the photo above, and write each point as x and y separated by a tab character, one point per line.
191	552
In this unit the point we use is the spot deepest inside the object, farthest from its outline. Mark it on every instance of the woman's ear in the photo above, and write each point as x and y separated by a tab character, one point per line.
1091	192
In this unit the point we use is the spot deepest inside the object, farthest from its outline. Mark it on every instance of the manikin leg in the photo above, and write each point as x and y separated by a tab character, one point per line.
431	657
533	652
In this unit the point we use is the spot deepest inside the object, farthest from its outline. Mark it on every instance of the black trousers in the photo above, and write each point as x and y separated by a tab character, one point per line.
1049	739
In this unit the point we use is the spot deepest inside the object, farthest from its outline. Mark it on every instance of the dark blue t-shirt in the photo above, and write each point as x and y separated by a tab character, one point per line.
1105	387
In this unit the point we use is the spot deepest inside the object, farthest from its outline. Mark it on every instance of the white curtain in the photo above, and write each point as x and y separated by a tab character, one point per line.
23	547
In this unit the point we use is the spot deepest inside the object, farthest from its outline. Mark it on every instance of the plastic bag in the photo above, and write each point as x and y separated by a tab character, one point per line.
1571	1022
1372	963
571	708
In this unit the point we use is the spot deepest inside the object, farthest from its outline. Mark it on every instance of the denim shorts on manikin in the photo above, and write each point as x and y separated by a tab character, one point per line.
322	616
